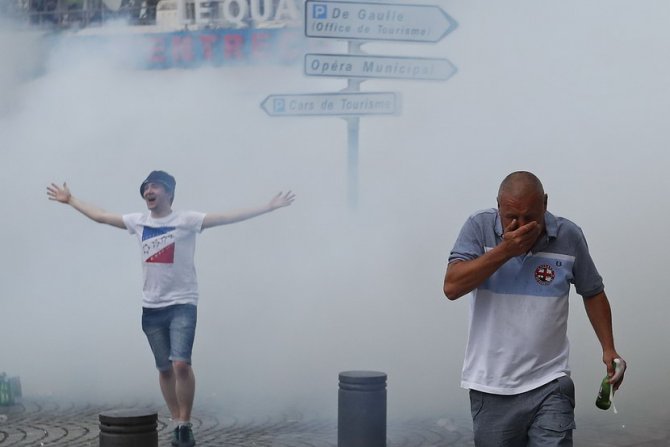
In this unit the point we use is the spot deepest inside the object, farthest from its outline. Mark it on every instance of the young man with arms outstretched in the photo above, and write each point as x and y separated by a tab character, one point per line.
170	292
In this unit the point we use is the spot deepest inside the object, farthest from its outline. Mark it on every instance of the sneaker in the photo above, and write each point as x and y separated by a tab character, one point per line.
186	438
175	437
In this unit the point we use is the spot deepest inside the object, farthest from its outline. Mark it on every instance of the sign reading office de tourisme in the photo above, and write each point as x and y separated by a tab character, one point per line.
376	21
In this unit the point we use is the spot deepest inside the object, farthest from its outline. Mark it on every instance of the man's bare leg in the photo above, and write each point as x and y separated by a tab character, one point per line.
167	380
185	389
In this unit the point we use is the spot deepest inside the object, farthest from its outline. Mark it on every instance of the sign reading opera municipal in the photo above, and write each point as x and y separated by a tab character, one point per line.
376	21
379	67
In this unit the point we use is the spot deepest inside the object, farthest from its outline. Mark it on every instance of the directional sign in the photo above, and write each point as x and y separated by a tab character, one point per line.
333	104
381	67
376	21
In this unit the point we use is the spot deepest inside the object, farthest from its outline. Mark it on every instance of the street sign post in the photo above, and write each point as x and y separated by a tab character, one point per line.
376	21
359	22
378	67
333	104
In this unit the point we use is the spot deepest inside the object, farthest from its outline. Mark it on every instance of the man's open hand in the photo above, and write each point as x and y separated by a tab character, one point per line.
58	193
519	240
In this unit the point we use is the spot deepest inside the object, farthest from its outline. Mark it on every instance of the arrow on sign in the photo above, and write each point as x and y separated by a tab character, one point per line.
333	104
381	67
377	21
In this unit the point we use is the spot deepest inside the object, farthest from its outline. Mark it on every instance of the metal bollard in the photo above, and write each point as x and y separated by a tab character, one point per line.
361	414
128	428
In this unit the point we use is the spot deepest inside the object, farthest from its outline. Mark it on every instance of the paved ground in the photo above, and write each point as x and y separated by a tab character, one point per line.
43	423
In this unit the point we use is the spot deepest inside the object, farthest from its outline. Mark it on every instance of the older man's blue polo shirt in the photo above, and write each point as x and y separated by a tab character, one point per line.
518	317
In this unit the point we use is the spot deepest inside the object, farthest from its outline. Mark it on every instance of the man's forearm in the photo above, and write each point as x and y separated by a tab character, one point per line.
84	208
96	214
216	219
464	276
600	315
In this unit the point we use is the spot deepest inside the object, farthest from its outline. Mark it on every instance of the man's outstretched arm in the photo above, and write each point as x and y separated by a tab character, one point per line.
62	194
279	201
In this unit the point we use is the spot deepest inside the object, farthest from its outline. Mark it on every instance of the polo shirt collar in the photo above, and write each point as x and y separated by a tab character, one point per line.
550	225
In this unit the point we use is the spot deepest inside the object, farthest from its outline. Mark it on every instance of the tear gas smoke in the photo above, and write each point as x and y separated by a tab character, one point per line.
572	91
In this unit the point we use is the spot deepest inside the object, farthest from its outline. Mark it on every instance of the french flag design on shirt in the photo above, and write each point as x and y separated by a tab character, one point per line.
158	245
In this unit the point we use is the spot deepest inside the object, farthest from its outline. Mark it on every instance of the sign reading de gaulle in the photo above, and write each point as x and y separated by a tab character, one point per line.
376	21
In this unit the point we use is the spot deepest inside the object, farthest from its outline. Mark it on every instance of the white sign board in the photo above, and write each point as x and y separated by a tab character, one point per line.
333	104
376	21
379	67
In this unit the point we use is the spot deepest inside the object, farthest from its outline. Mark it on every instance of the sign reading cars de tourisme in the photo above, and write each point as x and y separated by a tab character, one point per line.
333	104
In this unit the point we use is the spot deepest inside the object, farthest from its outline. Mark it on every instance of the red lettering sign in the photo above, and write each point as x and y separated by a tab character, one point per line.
232	46
260	44
157	50
207	41
182	49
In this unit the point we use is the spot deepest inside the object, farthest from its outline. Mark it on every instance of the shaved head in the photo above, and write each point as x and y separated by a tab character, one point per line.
521	201
521	184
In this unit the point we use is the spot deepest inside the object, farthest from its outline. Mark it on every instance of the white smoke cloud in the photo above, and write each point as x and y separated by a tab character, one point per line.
573	92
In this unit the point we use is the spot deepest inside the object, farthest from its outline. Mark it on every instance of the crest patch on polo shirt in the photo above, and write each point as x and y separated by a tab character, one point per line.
544	274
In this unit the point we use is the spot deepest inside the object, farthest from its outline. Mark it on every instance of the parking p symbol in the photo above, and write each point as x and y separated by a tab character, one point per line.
279	105
320	11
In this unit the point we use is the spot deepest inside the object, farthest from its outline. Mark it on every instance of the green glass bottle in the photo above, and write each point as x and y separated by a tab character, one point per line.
606	392
603	400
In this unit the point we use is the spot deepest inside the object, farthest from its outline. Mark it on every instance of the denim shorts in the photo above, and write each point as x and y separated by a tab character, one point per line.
170	331
540	417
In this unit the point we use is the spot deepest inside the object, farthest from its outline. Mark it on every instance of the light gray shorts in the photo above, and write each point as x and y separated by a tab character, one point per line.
543	417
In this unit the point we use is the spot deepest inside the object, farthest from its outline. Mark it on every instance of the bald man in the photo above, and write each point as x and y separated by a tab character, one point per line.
518	262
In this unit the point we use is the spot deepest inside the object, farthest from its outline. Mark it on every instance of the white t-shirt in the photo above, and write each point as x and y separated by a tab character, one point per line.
167	248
